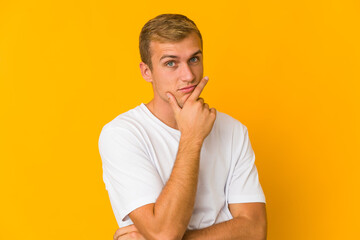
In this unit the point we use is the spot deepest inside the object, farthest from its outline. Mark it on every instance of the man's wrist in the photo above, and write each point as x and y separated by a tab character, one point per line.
191	140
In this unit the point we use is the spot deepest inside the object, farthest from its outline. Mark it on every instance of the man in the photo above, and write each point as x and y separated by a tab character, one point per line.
175	168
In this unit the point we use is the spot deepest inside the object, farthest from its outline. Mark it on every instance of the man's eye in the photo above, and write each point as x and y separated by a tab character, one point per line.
170	64
194	59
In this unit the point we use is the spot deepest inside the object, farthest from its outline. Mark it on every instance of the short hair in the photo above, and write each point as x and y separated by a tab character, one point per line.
165	28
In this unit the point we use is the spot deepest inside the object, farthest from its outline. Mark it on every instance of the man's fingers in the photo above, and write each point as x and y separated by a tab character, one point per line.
197	91
124	230
173	103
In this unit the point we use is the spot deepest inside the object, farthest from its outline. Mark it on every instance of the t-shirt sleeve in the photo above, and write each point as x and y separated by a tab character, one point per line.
244	184
130	177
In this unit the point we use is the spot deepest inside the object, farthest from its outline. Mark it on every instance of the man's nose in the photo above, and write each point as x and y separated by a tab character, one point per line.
186	73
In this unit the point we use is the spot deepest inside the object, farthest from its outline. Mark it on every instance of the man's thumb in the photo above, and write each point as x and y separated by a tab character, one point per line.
173	103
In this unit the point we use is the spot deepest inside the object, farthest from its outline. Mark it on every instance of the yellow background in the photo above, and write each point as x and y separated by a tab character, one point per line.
288	70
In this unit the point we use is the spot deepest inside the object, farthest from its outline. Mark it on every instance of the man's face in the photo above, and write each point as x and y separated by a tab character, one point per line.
177	68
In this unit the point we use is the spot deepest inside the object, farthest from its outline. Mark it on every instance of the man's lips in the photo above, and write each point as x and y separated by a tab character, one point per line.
187	89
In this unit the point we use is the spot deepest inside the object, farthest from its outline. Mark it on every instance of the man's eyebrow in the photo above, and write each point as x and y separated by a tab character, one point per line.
168	56
196	53
173	56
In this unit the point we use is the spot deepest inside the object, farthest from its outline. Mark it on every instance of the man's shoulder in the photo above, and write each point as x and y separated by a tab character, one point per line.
126	125
224	120
125	119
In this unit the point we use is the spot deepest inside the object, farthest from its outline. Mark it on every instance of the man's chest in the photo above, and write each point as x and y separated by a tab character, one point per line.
215	158
215	169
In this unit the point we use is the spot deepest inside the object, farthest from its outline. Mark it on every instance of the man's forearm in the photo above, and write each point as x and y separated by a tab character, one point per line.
173	209
175	204
239	228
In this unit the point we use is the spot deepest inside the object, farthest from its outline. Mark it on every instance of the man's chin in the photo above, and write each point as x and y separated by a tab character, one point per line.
183	100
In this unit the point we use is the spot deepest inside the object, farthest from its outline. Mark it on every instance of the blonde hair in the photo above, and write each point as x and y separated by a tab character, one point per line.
165	28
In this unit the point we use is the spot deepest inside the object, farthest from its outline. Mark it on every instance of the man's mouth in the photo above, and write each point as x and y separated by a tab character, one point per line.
187	89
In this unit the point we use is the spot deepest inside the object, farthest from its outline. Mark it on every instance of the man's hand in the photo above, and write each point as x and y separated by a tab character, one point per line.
128	232
195	119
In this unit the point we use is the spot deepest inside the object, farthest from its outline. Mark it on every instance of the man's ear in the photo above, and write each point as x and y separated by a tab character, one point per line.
145	72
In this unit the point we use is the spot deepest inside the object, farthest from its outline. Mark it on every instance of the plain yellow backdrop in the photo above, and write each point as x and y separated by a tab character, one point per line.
288	70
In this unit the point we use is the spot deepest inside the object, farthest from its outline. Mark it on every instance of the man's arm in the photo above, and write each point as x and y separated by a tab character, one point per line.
169	216
248	223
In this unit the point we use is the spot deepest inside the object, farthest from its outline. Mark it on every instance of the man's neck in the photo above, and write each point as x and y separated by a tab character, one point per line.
162	110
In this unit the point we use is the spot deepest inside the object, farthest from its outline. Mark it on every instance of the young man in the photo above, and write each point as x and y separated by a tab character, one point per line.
175	168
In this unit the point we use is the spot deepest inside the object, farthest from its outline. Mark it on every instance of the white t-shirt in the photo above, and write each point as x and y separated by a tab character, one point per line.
138	152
